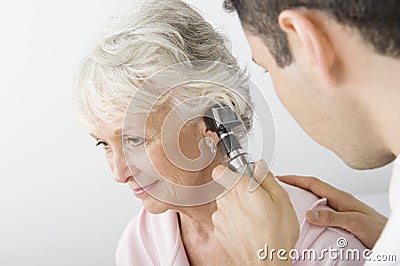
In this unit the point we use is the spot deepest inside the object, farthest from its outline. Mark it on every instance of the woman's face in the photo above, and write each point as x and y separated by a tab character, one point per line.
139	155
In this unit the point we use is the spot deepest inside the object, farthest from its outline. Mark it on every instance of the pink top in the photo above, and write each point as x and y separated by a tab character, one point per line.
151	239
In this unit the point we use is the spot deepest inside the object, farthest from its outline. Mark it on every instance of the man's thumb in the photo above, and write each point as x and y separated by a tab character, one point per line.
323	217
224	176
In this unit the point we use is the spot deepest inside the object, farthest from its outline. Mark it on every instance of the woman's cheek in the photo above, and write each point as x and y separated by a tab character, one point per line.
161	165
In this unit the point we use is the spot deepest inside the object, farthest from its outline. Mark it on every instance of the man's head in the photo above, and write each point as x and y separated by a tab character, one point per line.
377	21
331	63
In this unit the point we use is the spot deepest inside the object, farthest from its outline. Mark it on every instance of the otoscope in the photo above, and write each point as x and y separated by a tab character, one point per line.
221	119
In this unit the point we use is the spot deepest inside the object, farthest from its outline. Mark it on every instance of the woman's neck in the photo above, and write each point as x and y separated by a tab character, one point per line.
196	221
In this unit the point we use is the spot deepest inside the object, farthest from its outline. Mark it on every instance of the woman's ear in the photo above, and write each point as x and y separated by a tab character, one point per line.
205	132
309	43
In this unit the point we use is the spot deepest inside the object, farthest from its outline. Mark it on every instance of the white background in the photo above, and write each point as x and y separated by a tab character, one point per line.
58	201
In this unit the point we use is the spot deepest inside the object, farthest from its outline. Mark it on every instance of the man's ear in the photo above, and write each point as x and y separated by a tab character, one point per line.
310	44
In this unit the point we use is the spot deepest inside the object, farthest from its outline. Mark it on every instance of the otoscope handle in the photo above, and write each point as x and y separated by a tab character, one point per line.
247	170
240	165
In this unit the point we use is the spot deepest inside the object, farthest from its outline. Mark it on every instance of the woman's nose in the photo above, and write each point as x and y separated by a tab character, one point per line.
121	170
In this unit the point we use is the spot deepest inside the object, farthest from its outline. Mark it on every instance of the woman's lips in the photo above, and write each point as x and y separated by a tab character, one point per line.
142	190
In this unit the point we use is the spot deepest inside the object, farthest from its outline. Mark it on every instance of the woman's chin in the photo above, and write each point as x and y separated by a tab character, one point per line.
154	207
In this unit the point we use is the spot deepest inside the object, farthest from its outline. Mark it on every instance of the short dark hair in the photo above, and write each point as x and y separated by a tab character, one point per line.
377	21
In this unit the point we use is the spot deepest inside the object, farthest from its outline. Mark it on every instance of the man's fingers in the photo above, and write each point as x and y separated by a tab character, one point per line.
310	183
224	176
352	215
261	171
268	182
227	178
351	221
337	199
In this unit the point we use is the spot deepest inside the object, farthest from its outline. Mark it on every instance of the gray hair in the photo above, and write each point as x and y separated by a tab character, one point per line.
155	36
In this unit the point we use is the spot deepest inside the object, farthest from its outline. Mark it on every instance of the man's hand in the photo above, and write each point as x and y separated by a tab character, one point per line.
352	215
247	221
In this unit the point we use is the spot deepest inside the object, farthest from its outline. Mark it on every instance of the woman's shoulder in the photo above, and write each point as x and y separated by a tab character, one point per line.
302	200
129	245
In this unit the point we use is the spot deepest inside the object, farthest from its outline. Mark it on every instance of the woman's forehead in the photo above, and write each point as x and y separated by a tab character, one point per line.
106	130
135	124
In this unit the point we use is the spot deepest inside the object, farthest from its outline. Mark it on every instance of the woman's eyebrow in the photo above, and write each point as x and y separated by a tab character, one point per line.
93	136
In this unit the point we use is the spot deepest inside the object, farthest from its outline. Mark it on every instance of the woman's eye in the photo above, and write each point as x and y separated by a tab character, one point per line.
135	141
103	144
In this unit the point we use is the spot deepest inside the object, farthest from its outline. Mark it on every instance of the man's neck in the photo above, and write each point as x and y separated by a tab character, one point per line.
381	85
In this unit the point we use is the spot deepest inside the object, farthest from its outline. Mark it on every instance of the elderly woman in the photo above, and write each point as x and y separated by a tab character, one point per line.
172	228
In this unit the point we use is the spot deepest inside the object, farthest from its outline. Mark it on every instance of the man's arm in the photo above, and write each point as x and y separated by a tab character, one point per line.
351	214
